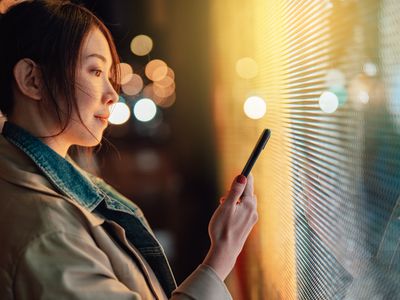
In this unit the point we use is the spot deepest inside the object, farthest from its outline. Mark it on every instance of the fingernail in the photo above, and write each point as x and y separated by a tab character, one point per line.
241	179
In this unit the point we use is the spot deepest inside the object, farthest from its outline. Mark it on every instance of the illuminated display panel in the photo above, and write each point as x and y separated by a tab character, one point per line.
329	180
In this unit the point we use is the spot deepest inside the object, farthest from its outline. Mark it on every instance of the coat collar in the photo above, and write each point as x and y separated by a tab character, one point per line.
60	172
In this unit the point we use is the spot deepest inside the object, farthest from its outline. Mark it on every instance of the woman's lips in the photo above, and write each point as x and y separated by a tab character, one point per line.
103	118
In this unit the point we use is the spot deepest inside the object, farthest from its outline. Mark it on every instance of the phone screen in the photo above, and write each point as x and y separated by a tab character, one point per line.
262	141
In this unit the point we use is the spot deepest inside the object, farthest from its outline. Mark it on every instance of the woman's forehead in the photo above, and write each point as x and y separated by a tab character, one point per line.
96	45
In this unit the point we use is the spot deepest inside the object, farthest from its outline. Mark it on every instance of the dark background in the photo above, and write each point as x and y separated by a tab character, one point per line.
179	193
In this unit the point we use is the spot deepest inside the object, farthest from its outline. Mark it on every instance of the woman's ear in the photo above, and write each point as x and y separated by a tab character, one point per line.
28	78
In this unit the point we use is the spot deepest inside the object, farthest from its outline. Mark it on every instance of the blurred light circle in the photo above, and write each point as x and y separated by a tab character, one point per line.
156	69
328	102
165	82
255	107
133	86
148	91
163	102
363	96
120	113
335	78
168	101
370	69
171	73
163	91
125	72
145	110
141	45
247	68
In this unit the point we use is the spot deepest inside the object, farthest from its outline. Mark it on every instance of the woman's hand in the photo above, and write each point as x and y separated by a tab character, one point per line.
231	224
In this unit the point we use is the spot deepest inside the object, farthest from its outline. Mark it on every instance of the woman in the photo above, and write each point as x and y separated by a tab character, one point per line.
65	233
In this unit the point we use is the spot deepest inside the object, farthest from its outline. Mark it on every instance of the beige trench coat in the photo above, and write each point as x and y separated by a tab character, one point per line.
53	248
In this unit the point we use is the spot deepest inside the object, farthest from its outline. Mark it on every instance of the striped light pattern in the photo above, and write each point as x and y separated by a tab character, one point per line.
329	179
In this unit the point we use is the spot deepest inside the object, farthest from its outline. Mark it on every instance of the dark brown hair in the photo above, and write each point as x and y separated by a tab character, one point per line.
50	33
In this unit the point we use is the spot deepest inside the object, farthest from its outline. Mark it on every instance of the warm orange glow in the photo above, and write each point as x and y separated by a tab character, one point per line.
141	45
266	268
161	101
247	68
125	72
162	91
165	82
156	69
171	73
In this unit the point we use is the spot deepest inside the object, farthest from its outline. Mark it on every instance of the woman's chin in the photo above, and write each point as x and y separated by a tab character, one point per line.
91	141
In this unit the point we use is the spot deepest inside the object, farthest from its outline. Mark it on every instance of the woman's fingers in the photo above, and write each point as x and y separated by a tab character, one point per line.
249	189
237	189
241	187
231	224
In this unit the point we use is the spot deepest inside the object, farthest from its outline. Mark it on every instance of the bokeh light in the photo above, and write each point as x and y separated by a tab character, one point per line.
363	96
156	69
328	102
167	101
125	71
165	82
171	73
163	102
145	110
255	107
334	79
120	113
359	91
133	86
370	69
247	68
141	45
164	91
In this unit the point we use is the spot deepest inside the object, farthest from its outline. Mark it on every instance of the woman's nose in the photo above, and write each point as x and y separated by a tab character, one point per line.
111	96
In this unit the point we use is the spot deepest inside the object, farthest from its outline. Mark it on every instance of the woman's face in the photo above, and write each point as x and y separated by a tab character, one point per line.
94	92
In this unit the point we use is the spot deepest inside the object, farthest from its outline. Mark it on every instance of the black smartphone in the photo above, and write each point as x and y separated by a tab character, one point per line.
262	141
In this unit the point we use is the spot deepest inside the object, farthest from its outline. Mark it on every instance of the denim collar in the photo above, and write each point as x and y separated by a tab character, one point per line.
62	174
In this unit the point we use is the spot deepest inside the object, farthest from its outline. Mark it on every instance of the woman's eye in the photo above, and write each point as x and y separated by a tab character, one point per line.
97	73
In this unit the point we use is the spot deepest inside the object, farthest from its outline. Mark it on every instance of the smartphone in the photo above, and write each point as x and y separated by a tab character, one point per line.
262	141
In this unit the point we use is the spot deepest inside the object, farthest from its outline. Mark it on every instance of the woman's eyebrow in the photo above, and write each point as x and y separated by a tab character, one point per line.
101	57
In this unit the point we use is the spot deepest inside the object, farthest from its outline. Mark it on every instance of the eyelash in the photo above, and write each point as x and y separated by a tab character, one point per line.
97	72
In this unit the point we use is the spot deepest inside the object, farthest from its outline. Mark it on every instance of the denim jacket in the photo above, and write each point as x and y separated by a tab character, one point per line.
95	196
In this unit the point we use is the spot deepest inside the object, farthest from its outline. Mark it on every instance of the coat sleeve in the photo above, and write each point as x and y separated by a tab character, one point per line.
61	265
203	283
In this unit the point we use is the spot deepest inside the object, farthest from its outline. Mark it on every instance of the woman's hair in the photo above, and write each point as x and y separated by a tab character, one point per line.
51	33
